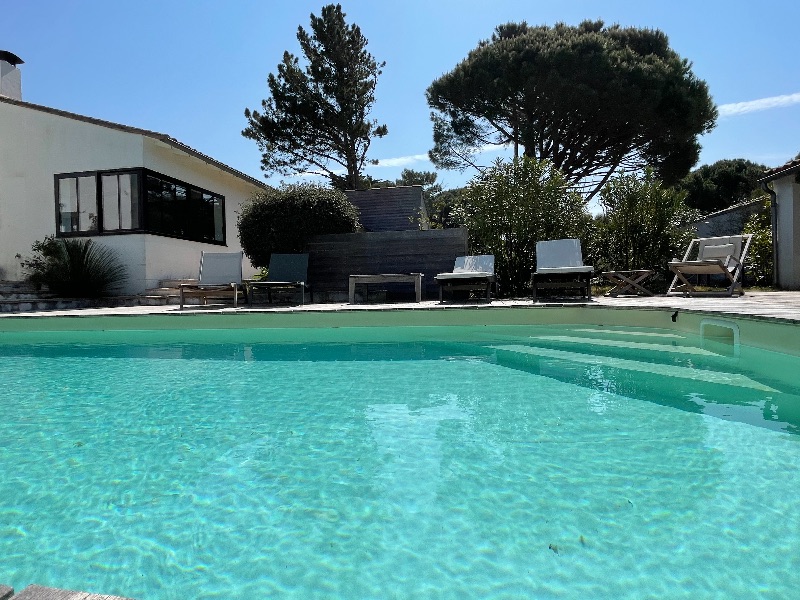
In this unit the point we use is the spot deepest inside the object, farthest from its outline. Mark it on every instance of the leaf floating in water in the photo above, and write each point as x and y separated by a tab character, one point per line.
554	548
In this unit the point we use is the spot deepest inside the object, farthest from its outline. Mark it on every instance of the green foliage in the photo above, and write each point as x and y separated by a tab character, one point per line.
759	262
430	190
74	268
284	220
441	208
511	206
316	117
722	184
591	99
642	225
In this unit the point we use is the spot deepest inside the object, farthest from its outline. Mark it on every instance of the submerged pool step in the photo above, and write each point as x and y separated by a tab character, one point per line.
665	370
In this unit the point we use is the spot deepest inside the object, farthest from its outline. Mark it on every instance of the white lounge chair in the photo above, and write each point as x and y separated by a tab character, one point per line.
559	265
220	276
714	256
469	273
286	271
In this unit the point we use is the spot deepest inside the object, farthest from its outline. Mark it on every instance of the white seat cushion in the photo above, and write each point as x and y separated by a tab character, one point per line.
464	275
555	270
719	251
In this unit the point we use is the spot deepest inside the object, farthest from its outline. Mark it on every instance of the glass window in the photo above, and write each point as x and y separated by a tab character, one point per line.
219	220
181	210
110	185
77	204
138	200
129	201
120	193
68	205
87	203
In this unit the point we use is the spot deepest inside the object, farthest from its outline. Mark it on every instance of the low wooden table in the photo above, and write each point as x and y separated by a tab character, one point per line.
415	278
628	282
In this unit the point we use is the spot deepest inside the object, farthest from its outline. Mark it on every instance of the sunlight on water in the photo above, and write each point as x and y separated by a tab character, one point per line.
522	465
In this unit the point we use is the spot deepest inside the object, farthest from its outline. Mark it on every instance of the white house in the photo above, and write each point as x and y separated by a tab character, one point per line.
783	183
154	200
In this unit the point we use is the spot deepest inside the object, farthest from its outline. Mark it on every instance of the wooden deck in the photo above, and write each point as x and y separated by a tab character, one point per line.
38	592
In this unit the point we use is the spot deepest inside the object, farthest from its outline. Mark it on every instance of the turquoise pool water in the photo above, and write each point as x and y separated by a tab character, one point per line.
486	462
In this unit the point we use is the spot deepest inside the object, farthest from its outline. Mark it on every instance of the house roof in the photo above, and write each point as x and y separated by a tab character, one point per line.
787	169
745	204
11	58
145	132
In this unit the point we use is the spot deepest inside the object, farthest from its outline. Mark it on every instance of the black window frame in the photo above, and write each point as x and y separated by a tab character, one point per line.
192	212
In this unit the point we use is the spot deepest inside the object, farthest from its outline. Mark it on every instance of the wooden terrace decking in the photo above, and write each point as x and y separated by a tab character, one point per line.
38	592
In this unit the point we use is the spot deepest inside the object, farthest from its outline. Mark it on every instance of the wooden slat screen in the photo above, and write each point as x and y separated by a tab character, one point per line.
333	258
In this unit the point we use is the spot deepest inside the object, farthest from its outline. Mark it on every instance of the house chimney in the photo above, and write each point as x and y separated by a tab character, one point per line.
10	76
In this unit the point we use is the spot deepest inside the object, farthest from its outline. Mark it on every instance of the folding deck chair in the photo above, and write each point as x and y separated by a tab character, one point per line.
220	276
722	256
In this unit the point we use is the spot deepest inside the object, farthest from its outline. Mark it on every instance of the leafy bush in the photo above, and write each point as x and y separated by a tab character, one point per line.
511	206
642	224
74	268
758	263
283	220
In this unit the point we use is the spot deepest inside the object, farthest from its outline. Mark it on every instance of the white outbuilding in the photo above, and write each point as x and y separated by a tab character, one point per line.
783	184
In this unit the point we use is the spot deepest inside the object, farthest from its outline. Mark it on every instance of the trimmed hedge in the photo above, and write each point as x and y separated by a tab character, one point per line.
283	220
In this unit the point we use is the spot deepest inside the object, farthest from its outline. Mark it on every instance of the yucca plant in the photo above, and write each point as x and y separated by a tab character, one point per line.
74	268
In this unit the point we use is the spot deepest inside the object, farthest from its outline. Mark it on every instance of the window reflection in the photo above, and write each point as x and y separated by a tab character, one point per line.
138	200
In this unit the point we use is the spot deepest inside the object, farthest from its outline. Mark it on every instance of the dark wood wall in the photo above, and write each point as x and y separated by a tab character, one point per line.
333	258
390	209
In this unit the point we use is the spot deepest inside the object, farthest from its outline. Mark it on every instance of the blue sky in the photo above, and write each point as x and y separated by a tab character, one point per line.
189	68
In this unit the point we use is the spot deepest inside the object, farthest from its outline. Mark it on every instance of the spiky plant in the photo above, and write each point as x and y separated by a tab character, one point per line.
74	268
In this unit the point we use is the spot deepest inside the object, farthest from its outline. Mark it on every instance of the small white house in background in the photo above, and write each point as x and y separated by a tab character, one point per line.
156	201
783	183
731	220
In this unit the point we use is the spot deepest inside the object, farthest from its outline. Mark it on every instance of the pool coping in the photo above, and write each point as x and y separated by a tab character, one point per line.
771	306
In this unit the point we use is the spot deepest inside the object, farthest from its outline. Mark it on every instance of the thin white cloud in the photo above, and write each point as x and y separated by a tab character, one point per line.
401	161
404	161
741	108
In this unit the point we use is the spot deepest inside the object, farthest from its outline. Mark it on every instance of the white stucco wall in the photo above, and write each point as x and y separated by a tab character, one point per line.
787	192
36	145
10	80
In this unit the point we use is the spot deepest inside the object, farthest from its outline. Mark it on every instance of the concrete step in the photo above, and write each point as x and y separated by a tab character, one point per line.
176	283
163	291
43	304
21	290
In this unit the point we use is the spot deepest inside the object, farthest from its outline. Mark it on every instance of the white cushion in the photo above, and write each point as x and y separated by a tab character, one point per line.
464	275
555	270
558	254
720	251
481	263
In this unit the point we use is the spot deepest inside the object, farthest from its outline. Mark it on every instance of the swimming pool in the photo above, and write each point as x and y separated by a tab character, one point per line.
587	460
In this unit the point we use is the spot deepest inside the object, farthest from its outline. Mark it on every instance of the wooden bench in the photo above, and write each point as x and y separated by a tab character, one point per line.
415	278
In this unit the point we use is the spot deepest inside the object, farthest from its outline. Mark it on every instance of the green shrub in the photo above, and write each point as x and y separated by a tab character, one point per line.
283	220
511	206
642	224
74	268
758	263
